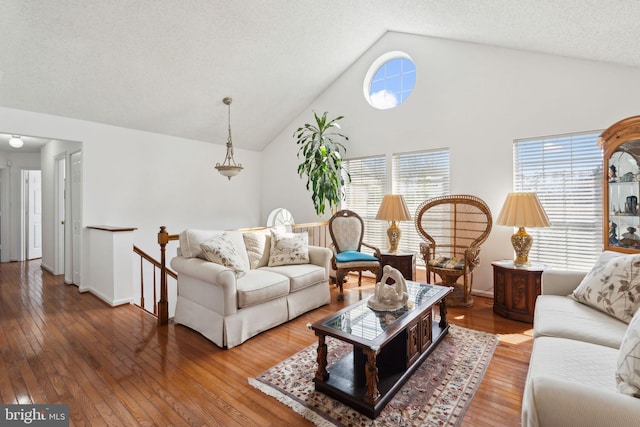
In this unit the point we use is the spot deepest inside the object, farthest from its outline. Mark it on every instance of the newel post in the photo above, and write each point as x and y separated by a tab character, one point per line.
163	303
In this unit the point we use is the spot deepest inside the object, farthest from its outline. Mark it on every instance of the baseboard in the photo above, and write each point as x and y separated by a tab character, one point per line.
111	302
487	293
47	268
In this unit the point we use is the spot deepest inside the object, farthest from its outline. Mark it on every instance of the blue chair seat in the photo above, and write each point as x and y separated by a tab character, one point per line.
351	256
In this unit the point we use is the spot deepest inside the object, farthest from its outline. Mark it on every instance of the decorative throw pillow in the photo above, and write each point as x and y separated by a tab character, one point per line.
628	368
289	248
255	243
612	286
221	250
190	240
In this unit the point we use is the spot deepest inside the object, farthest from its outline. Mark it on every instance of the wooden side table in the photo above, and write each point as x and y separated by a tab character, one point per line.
515	289
403	262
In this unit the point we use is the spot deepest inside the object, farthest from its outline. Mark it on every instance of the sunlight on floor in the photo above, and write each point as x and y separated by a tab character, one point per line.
516	338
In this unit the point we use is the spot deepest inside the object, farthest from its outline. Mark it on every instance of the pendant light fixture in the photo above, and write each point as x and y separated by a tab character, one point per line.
16	141
229	168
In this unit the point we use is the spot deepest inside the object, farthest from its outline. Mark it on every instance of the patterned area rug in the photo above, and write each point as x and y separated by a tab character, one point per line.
437	394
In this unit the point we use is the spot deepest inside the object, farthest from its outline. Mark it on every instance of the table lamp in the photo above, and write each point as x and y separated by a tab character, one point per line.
393	208
522	210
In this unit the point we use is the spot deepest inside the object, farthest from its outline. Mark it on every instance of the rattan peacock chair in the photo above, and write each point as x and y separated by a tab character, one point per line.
453	228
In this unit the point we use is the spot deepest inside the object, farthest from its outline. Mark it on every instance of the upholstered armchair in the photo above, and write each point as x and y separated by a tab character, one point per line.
453	228
347	230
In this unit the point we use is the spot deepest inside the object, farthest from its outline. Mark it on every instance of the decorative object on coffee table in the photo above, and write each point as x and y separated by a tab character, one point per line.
403	261
389	297
393	208
522	210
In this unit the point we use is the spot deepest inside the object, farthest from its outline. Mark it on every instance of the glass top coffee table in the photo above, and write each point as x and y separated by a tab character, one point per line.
387	347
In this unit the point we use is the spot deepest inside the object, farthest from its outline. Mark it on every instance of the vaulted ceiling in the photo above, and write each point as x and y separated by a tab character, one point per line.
164	65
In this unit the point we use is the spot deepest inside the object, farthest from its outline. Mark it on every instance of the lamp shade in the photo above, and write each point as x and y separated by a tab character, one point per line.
393	208
523	210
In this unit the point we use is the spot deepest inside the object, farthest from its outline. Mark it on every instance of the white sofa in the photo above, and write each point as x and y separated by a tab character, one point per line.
572	372
228	307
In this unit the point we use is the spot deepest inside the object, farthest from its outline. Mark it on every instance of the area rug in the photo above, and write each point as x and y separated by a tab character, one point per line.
437	394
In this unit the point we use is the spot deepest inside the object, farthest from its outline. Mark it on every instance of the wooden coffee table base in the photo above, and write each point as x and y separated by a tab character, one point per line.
368	377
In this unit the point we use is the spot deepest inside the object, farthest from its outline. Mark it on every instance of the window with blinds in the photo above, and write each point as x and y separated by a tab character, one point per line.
419	176
566	173
364	194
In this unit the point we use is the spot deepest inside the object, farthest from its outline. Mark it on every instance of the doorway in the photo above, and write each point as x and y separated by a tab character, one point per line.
32	200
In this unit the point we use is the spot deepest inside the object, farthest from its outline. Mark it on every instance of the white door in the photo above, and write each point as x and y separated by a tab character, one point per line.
34	214
58	232
76	214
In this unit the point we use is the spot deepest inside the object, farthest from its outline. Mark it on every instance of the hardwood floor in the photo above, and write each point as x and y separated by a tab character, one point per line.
114	366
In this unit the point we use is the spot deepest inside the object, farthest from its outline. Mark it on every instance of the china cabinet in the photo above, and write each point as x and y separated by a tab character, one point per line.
621	185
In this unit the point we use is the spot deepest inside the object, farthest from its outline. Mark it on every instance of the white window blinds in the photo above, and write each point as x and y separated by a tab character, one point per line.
364	194
566	173
419	176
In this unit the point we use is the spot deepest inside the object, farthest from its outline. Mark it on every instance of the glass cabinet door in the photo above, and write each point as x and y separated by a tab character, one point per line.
621	222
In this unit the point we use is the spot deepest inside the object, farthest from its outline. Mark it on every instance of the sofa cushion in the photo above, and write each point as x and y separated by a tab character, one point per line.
612	286
222	250
563	317
566	366
628	367
300	275
289	248
258	286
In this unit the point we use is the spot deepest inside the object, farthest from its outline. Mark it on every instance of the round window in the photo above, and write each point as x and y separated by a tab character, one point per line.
390	80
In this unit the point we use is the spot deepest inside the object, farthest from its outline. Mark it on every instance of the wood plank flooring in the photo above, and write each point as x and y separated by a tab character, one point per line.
114	366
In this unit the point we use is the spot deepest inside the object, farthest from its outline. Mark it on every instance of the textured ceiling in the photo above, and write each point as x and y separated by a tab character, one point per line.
165	65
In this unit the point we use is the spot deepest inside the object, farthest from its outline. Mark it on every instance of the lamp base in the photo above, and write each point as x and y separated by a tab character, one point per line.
393	234
521	242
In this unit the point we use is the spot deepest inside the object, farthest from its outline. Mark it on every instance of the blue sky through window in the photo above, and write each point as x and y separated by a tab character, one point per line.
392	83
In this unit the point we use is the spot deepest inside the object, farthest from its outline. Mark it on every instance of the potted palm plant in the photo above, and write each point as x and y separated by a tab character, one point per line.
322	149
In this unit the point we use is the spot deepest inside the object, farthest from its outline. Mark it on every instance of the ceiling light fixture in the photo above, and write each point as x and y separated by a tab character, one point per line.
229	168
16	141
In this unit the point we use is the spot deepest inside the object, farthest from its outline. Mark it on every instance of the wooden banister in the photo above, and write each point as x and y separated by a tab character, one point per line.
163	304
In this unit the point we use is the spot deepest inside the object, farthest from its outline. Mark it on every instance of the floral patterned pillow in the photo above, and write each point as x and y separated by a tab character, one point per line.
221	250
289	248
612	286
628	368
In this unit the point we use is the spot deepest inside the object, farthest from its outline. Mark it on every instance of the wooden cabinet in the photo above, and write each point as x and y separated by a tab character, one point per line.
515	289
403	262
419	337
621	185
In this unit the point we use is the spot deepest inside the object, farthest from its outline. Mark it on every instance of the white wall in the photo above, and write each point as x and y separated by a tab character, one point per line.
145	180
472	98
